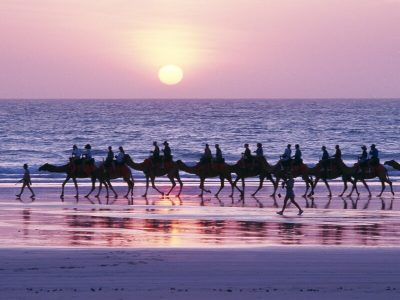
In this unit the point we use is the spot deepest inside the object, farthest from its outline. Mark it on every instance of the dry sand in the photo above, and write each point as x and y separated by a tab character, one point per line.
268	273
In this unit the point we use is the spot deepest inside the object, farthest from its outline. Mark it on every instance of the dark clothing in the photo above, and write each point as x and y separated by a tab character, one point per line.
167	153
338	154
247	155
156	153
259	152
325	155
109	158
363	159
207	156
374	157
297	157
218	156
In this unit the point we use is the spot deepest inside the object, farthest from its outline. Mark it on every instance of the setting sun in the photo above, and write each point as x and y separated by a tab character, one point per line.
170	74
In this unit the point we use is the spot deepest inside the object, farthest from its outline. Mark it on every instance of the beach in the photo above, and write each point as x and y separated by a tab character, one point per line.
192	247
266	273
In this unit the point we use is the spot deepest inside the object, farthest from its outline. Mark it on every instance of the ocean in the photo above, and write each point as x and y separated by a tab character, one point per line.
40	131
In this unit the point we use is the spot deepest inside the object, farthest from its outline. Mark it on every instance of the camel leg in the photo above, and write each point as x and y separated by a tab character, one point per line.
93	187
313	186
171	178
234	185
147	186
366	186
112	188
354	187
128	182
76	188
63	186
100	188
153	185
390	185
229	178
383	188
260	185
276	185
222	180
178	177
201	186
243	186
344	187
327	186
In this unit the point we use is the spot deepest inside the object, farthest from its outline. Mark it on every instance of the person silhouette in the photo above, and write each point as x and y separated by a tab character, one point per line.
289	184
26	182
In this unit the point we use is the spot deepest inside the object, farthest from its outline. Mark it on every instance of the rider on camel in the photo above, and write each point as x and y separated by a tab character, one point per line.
338	154
325	162
297	156
373	156
109	162
167	153
155	154
87	155
259	152
286	157
218	154
207	156
247	157
120	158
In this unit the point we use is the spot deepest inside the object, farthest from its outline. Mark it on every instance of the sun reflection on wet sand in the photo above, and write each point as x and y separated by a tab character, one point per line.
191	221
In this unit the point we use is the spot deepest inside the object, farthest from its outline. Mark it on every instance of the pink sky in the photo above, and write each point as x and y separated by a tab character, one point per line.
226	48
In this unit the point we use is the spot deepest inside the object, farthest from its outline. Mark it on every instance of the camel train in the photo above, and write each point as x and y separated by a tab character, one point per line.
259	167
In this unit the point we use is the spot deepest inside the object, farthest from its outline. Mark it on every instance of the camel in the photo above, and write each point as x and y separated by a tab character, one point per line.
394	164
337	170
372	172
302	171
170	169
80	171
204	171
243	170
106	174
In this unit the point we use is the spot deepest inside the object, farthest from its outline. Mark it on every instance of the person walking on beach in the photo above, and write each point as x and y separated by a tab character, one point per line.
26	182
289	184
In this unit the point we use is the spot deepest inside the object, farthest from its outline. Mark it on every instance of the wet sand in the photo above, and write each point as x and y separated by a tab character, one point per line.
199	248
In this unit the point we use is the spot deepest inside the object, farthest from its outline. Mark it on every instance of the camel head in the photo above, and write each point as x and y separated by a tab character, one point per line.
389	162
44	167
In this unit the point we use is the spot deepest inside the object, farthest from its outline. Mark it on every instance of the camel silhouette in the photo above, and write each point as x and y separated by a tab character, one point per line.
72	172
259	168
170	169
204	171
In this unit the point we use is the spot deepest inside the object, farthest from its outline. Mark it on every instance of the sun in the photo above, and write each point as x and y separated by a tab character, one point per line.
170	74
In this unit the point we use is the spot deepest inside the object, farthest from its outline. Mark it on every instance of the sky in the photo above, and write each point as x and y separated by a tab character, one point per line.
226	48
